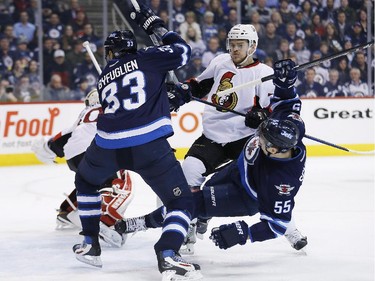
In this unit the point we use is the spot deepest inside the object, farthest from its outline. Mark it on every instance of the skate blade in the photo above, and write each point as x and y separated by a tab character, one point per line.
170	275
91	260
62	224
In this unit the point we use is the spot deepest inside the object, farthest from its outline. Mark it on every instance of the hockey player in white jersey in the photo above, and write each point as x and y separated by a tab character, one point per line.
225	133
72	143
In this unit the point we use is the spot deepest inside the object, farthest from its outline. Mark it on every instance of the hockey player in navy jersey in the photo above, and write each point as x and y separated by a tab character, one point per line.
264	179
132	134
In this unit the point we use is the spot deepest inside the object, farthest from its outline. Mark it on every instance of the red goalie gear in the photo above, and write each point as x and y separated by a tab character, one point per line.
115	201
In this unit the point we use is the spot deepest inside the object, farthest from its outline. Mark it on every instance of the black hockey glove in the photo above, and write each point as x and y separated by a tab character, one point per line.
228	235
285	75
256	116
178	94
147	19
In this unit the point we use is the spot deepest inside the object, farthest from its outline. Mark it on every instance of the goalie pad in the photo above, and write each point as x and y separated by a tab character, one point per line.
115	200
43	152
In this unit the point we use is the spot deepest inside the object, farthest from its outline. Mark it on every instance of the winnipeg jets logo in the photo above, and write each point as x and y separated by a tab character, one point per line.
251	150
284	189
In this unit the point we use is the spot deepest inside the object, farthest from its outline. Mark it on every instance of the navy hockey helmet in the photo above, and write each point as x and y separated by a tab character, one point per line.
120	42
281	134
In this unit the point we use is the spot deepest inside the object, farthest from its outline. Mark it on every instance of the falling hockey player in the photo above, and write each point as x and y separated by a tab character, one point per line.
264	179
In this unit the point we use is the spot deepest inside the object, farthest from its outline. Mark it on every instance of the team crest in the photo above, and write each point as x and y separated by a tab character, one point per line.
230	100
251	150
284	189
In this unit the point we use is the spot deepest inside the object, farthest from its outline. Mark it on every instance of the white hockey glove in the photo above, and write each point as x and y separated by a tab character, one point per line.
43	152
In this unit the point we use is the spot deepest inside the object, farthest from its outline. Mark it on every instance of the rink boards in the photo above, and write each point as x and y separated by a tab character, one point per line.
348	122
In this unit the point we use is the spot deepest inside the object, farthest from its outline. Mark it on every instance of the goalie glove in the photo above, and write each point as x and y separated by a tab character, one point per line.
43	152
147	19
228	235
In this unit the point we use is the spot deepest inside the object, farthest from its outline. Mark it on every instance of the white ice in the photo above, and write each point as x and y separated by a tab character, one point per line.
334	208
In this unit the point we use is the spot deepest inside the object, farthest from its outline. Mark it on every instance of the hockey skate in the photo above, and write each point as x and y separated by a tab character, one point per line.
131	225
63	221
111	236
296	239
187	248
174	268
89	251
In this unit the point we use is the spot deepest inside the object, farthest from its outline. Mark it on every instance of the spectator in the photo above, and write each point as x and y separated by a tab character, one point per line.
216	8
350	13
24	91
307	12
195	67
8	33
222	35
231	21
299	21
32	11
68	38
359	62
7	56
82	89
317	25
270	40
55	90
48	51
209	28
191	22
309	88
18	70
255	21
357	35
53	28
321	73
343	69
343	28
356	88
327	12
282	52
69	14
199	9
302	53
79	22
331	37
312	39
211	52
24	29
75	55
87	70
285	11
333	88
22	51
362	19
178	14
157	6
5	16
263	11
291	30
90	36
6	91
193	41
277	20
60	67
33	74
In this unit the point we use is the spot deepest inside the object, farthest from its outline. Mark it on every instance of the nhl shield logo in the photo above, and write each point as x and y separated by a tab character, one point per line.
177	191
284	189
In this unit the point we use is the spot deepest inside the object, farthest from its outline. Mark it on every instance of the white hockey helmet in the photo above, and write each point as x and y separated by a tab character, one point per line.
245	32
92	98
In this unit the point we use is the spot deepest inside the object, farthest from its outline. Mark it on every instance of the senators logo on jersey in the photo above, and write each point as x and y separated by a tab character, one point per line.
229	101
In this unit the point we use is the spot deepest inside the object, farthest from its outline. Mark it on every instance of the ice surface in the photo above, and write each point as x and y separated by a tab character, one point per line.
334	208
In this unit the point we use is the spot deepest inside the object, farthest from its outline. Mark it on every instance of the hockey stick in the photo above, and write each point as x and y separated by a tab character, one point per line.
298	67
86	45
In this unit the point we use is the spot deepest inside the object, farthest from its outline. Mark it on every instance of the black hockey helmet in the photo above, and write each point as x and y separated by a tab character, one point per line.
120	42
281	134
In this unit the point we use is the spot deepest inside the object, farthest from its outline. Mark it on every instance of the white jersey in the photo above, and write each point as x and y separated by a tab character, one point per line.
83	132
224	127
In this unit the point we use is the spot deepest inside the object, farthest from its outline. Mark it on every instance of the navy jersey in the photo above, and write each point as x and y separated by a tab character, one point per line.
273	182
133	96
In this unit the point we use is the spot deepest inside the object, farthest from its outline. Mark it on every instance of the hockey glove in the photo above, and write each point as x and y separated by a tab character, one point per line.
228	235
43	152
285	74
256	116
147	19
178	94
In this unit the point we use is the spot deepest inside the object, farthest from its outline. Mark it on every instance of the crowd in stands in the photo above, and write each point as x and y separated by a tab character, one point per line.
300	30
